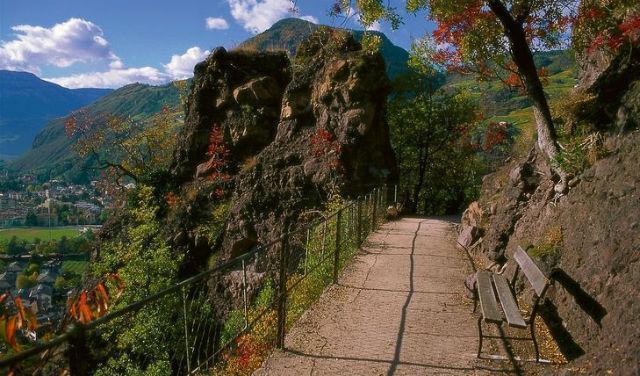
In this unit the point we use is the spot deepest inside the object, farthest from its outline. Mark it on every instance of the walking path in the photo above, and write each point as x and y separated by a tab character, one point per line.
398	309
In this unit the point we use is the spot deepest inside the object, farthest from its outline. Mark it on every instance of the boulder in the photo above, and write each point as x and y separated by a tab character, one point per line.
468	236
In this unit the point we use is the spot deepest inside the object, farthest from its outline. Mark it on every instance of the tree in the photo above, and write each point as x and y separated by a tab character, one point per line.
123	148
59	283
31	219
429	133
494	38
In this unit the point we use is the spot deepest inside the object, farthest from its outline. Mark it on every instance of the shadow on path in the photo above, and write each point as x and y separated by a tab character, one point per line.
425	365
403	320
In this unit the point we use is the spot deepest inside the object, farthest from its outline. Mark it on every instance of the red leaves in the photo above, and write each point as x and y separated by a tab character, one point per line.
218	152
324	144
630	29
94	303
610	33
495	134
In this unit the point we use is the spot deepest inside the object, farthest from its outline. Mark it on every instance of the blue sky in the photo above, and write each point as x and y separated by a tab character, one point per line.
109	43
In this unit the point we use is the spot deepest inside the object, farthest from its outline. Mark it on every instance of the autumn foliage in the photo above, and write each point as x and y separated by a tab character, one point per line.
94	303
217	152
324	144
21	319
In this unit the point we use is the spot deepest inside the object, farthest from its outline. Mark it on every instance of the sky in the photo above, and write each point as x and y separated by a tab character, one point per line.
111	43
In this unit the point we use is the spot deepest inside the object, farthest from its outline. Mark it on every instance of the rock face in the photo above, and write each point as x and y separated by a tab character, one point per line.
595	301
331	138
238	92
296	133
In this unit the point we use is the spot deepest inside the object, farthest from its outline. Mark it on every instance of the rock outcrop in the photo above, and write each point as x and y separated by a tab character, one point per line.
594	256
295	132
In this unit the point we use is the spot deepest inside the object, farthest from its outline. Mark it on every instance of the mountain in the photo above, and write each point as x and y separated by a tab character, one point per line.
287	34
27	103
52	149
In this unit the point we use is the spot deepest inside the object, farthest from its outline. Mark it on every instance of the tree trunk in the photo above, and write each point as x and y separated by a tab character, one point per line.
422	169
523	58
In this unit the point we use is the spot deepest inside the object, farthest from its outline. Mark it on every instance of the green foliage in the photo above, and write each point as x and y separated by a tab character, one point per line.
146	265
60	283
430	134
233	324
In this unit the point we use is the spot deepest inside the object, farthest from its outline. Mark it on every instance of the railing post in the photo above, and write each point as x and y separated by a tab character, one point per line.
359	222
282	294
306	252
186	331
78	353
244	294
373	216
336	254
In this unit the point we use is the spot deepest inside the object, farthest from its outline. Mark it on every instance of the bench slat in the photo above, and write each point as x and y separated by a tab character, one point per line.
488	303
535	276
508	303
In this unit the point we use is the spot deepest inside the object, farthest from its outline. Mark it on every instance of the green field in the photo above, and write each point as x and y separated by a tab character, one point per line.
74	267
31	233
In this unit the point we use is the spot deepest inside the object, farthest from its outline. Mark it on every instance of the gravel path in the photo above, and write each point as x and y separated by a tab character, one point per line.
398	309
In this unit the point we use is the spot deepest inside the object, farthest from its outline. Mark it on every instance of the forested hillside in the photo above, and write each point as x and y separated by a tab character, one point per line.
52	151
27	103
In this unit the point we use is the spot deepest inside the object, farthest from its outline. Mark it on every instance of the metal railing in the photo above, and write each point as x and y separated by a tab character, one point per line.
271	286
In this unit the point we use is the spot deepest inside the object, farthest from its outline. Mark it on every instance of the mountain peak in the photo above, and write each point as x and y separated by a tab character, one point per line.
288	33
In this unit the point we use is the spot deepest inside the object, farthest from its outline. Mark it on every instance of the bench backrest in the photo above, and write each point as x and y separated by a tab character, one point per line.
535	276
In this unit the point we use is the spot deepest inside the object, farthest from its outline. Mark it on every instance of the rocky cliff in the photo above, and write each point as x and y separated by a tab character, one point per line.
588	239
292	133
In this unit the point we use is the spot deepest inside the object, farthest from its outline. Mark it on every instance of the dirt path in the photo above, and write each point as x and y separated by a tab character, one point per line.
398	309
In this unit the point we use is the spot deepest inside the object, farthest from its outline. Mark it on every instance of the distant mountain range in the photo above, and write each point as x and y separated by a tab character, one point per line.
27	103
52	149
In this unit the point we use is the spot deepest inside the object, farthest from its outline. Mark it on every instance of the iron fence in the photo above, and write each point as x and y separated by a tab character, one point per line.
272	285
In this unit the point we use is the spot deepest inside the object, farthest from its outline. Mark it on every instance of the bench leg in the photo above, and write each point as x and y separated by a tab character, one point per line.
475	304
533	337
479	336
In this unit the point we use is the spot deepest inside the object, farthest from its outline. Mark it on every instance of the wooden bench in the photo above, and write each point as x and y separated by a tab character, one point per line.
494	288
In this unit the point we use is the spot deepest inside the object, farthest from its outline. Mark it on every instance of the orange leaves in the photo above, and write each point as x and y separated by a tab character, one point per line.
94	303
85	314
10	332
171	199
23	319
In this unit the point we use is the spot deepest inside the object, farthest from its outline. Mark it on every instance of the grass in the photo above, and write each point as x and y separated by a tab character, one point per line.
43	233
74	267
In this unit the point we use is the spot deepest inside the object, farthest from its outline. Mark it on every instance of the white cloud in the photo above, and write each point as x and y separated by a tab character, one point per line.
375	26
181	66
113	78
216	23
311	19
257	16
64	44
